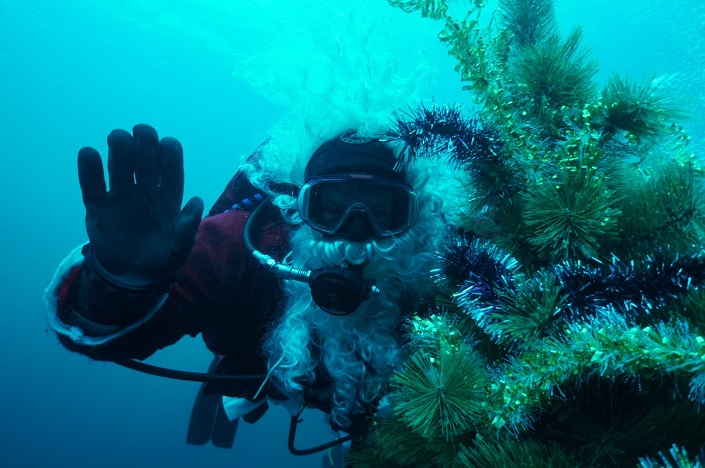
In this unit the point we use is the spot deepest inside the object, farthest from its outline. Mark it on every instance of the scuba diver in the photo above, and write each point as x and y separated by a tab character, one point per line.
300	288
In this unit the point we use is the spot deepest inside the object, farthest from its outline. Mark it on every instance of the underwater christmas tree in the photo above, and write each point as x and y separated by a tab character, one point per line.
571	327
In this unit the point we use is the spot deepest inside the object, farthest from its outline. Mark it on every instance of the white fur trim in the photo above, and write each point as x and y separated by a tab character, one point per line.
76	334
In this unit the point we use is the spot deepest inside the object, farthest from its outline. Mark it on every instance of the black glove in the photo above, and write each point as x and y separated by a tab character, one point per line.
139	235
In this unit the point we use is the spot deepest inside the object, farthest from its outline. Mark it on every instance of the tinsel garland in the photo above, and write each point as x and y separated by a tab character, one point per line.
633	288
605	345
443	131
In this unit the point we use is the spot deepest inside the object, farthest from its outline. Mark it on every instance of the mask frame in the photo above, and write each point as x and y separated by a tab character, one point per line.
327	203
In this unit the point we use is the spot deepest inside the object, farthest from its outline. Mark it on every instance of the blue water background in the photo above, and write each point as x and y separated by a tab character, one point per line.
70	71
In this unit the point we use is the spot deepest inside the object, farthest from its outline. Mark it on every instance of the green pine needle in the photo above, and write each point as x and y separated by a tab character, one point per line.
611	422
645	110
693	309
525	454
664	209
553	77
511	234
530	21
443	395
527	314
392	444
571	217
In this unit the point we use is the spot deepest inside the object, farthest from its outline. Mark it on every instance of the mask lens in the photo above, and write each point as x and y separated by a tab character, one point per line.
326	203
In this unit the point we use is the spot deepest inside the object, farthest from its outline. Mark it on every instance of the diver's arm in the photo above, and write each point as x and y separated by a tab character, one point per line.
221	283
139	235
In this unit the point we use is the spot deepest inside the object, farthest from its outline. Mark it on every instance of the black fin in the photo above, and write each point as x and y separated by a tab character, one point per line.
208	419
224	430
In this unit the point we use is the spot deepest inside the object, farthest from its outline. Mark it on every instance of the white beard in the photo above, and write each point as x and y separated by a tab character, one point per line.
361	350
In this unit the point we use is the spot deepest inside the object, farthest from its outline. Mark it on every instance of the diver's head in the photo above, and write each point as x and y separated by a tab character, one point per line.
354	190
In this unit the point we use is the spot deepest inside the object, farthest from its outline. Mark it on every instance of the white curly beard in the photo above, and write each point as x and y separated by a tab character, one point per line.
358	351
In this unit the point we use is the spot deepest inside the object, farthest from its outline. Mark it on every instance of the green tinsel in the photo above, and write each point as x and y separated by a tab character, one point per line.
604	345
429	8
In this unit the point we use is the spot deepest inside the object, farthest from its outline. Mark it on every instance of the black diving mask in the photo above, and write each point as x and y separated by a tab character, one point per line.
327	203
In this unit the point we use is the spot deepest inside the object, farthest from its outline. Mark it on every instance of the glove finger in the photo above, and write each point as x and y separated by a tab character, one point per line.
186	227
147	159
91	176
172	163
121	161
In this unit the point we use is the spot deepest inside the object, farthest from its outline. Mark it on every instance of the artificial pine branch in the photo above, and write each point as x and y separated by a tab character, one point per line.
526	454
691	307
611	422
528	313
571	216
666	208
511	235
529	21
554	77
440	396
393	444
645	110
